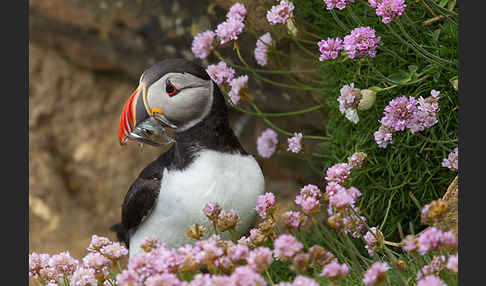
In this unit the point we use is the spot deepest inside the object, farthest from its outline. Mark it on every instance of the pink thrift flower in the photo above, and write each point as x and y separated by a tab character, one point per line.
265	204
229	30
202	44
339	4
333	188
164	279
384	136
114	251
150	243
341	199
83	276
426	114
301	280
128	277
428	240
399	113
221	73
227	220
212	210
409	243
390	9
261	49
37	262
294	143
310	205
260	259
63	264
97	242
431	280
267	143
452	160
330	48
356	160
237	12
238	252
238	85
434	267
338	173
286	246
371	239
97	262
334	270
280	13
246	276
293	219
376	273
453	263
361	42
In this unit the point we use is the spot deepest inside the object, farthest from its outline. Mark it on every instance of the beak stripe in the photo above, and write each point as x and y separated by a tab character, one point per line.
127	118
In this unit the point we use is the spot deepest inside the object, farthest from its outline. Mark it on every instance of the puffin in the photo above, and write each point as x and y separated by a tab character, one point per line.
205	162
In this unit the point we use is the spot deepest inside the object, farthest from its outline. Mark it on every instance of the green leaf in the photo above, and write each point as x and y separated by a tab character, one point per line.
412	69
436	34
401	77
443	3
452	4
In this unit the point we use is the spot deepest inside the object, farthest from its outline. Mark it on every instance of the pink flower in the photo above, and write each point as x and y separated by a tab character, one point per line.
97	242
237	12
202	44
267	143
280	13
37	262
212	210
228	220
150	243
265	204
426	114
361	42
294	143
128	277
293	219
164	279
301	280
261	49
114	251
238	252
453	263
246	276
384	136
83	276
221	73
371	239
286	246
399	113
260	259
431	280
308	199
409	243
229	30
238	85
63	264
376	273
452	160
97	262
330	48
390	9
339	4
334	270
338	173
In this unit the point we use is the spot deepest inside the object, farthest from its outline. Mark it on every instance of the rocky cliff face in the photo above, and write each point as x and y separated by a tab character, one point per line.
85	58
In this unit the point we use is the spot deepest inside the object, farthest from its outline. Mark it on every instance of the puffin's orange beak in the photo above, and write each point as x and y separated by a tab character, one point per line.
127	117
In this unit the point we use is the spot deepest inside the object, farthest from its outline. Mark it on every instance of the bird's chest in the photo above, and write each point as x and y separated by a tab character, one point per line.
232	180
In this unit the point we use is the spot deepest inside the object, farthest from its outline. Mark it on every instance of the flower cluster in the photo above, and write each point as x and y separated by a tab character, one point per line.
280	13
334	271
96	265
433	268
452	160
388	9
238	87
261	49
267	143
294	219
352	99
233	26
330	48
374	240
376	273
339	4
357	160
265	205
294	143
403	112
361	42
202	44
429	240
221	73
222	220
309	199
343	214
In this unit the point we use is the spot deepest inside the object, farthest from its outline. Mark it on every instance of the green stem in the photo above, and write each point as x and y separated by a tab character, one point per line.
387	210
281	114
396	244
339	22
269	278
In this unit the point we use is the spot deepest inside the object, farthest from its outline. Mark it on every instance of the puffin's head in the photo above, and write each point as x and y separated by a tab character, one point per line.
173	93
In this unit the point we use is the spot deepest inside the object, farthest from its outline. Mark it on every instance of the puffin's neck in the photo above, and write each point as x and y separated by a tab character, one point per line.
212	133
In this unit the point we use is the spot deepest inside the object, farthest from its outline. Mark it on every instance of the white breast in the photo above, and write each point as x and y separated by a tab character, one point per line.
233	181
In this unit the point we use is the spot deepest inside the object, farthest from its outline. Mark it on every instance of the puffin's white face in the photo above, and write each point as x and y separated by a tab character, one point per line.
175	100
182	98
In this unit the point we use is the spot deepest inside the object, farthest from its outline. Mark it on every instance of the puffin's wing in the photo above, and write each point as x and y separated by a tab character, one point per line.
140	198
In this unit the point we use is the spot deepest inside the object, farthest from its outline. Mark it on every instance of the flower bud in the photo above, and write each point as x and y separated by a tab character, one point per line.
368	97
196	231
212	210
301	261
227	221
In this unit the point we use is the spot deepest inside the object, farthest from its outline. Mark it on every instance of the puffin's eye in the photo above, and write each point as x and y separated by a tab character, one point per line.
170	88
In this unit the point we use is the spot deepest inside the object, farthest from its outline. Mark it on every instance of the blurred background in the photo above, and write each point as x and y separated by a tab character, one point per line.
85	59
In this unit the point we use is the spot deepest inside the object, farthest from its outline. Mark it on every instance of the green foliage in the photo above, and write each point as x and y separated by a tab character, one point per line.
412	163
